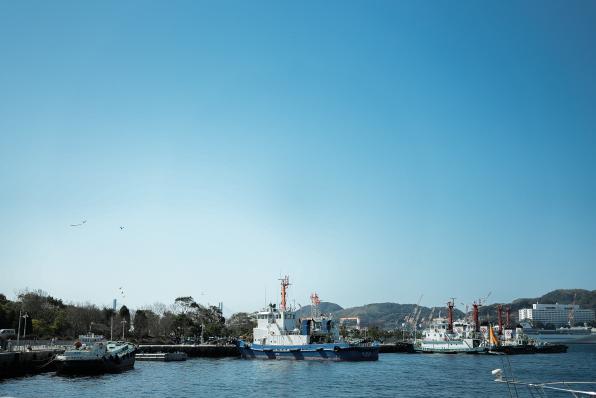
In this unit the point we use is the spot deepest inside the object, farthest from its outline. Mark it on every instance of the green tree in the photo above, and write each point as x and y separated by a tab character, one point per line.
60	325
181	326
140	324
375	333
124	313
240	324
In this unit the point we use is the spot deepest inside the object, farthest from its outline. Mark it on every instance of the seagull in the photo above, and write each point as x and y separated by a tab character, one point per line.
79	224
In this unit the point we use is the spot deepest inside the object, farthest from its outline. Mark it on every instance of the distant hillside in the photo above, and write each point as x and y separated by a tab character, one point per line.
584	298
384	315
391	315
388	315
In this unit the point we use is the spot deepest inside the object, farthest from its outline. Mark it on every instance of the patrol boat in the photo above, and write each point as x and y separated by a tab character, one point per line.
92	354
278	337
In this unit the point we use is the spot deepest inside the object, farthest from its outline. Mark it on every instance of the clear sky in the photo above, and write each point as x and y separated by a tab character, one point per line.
374	151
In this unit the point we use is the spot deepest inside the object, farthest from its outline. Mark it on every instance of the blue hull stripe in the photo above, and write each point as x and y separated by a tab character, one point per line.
333	352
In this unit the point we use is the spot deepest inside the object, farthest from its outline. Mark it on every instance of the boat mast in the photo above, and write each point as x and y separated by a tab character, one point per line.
475	317
315	310
500	316
285	282
450	315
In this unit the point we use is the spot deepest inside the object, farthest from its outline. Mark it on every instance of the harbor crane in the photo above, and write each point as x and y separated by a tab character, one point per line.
412	318
482	301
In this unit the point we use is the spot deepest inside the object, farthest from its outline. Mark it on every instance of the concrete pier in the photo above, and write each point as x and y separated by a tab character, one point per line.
20	363
400	346
161	356
220	351
199	350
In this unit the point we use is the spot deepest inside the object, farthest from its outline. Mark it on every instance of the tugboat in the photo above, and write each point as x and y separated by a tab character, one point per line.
92	354
449	337
277	336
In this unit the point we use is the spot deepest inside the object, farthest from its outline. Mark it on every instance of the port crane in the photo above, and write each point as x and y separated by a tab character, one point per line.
412	318
482	301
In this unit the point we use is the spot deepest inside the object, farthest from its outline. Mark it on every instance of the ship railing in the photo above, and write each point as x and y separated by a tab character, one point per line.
366	345
573	388
25	347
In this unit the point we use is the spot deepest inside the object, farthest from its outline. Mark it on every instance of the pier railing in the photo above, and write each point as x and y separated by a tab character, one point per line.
36	345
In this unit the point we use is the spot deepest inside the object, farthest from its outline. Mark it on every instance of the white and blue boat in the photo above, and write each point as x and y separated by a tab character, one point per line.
277	336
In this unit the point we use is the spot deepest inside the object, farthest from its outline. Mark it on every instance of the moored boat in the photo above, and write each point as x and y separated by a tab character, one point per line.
92	354
517	342
449	337
278	337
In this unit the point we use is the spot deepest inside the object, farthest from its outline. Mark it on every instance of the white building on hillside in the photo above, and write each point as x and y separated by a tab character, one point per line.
556	314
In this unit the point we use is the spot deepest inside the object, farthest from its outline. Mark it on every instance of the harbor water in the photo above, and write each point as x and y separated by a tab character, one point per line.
403	375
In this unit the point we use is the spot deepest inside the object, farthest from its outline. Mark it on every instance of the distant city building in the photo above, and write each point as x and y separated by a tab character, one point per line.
556	314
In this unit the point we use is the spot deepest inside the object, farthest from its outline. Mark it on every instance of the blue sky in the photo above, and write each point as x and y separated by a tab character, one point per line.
373	151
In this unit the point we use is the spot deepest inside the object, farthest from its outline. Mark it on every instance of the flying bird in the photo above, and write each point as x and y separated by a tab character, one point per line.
121	228
79	224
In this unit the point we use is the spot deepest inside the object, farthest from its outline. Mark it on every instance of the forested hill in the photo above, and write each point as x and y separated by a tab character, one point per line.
586	299
391	315
384	315
325	308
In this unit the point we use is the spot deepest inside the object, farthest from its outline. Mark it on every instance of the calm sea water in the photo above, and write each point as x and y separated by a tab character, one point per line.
403	375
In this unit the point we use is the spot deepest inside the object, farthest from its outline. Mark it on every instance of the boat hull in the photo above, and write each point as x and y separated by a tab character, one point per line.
449	351
448	347
310	352
562	338
96	366
529	349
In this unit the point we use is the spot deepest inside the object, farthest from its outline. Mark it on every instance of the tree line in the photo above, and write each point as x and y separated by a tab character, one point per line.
185	320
